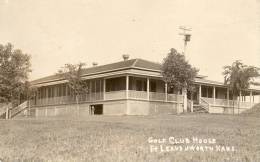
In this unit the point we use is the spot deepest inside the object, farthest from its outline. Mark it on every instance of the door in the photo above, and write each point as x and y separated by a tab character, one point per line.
96	109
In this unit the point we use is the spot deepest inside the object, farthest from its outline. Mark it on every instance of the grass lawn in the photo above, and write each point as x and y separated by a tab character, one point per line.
125	138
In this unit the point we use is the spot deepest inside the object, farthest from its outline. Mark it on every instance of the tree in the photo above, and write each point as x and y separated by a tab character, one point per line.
239	77
72	73
29	95
14	72
177	72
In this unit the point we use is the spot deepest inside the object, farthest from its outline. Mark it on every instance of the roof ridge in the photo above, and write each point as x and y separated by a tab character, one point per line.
150	61
136	60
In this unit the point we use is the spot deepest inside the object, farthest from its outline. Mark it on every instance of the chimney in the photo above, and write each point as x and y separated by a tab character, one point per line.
125	57
94	63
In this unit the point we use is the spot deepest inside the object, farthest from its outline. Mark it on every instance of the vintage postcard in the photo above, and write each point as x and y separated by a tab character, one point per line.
129	80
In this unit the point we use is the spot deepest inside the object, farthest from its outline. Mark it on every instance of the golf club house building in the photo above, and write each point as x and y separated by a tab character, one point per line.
134	87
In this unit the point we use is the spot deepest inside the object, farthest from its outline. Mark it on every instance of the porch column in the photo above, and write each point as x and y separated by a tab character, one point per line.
184	93
127	90
199	93
148	88
90	90
166	88
228	97
240	96
251	98
7	113
104	89
214	95
127	85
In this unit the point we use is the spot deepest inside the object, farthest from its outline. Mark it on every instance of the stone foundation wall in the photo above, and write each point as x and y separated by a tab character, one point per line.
118	107
226	110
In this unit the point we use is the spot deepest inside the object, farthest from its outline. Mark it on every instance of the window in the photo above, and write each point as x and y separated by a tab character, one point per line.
141	85
116	84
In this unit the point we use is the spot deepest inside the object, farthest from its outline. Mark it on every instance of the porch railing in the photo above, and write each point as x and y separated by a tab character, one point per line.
157	96
113	95
137	94
14	111
225	102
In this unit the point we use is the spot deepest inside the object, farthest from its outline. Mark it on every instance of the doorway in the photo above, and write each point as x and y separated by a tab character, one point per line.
96	109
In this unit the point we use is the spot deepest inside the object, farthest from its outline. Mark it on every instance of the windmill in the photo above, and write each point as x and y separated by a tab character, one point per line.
187	35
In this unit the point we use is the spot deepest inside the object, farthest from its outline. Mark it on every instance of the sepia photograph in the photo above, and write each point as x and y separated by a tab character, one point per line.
129	81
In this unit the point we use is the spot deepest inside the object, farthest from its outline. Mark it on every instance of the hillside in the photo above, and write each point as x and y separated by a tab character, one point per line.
126	138
254	111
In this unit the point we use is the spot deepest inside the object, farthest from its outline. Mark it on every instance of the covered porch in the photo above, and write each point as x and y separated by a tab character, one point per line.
137	87
110	88
221	96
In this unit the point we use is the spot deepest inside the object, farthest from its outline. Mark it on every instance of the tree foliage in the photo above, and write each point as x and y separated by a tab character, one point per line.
239	76
15	67
72	73
177	72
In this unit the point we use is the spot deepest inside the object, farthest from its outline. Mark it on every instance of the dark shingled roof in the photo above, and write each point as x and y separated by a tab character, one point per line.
133	63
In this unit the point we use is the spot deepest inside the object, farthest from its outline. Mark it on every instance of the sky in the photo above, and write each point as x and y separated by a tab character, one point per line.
56	32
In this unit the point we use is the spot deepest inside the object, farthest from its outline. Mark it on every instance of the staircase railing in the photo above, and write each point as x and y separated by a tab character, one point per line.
16	110
4	110
204	104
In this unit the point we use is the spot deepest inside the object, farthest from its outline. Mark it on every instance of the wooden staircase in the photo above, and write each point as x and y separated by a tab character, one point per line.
3	110
17	110
202	107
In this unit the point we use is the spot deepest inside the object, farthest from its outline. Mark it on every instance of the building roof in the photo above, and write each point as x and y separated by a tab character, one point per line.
206	81
122	65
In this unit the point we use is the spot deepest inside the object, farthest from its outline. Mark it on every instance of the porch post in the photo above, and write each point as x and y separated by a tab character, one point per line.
250	98
166	88
148	88
228	97
104	89
214	95
7	113
240	96
90	90
191	106
199	93
127	89
184	93
127	85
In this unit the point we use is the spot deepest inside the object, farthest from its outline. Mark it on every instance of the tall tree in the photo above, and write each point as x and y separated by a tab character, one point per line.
15	67
72	73
177	72
239	77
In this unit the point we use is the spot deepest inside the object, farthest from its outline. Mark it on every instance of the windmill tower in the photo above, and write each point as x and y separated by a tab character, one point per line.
187	36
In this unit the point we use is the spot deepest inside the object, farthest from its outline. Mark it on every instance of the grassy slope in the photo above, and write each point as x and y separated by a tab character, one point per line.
117	138
254	111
